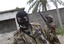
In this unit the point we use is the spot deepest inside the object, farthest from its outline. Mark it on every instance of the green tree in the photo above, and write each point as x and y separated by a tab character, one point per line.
44	3
35	4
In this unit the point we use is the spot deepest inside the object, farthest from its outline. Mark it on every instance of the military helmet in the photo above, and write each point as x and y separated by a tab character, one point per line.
22	18
49	18
21	14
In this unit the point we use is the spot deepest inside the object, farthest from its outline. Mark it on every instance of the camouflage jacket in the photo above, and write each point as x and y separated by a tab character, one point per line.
51	34
36	32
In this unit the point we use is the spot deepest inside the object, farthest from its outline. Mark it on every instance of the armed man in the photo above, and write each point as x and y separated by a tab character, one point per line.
28	32
51	31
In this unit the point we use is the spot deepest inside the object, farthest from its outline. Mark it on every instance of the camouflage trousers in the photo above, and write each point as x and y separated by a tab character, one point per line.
53	39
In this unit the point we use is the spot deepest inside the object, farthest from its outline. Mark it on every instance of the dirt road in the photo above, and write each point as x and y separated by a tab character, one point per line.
7	38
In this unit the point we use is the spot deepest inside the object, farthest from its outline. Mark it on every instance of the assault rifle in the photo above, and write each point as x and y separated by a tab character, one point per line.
45	20
47	23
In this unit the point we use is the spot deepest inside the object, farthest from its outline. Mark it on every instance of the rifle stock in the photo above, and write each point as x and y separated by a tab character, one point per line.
47	23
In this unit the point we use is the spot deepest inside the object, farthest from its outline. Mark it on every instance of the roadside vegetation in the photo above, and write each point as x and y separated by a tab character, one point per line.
60	31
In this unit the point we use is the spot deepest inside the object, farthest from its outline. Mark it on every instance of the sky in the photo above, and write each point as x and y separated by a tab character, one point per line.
53	7
12	4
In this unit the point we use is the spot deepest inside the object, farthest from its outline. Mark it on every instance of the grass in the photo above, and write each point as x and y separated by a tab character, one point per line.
60	31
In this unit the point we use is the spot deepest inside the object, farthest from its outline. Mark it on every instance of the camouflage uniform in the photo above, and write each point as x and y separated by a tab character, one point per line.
51	34
37	33
18	38
21	38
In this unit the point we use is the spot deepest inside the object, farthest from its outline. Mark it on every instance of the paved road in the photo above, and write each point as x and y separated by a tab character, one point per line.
7	38
61	38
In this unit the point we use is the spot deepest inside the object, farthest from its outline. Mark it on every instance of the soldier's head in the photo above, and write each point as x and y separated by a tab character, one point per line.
22	18
49	18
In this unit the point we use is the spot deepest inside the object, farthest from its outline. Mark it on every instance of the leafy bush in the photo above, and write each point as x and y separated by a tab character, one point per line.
59	30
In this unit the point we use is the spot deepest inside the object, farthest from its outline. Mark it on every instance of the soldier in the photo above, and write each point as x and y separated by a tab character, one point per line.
20	36
51	32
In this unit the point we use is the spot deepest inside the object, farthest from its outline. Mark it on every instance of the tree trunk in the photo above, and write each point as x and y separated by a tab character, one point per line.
60	22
